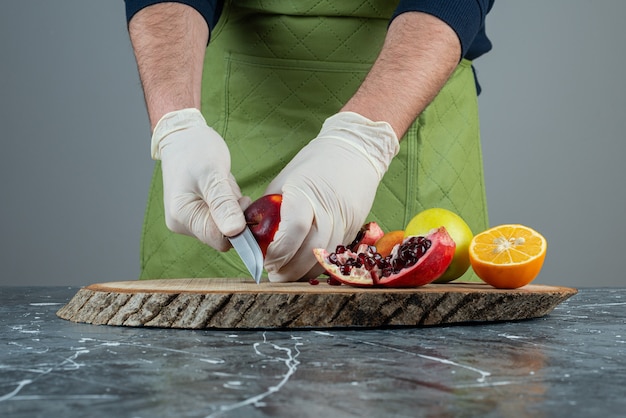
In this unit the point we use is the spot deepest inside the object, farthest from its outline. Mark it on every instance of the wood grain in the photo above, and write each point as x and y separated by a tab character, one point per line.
239	303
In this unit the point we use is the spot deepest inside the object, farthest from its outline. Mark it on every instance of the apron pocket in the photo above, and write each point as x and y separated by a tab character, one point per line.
274	107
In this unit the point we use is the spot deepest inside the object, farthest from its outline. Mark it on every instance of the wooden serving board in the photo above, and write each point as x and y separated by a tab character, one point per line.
240	303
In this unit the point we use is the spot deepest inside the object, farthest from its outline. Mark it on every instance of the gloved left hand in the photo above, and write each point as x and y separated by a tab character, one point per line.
328	190
200	195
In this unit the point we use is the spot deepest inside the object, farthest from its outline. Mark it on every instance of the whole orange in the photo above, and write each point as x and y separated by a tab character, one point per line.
386	243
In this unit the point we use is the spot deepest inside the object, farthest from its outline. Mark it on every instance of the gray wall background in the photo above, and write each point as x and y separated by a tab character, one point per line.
75	167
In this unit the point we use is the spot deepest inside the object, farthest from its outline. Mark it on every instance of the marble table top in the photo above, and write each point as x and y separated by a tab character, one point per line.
571	363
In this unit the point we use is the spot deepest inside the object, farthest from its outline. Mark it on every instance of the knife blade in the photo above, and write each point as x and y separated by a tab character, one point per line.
250	252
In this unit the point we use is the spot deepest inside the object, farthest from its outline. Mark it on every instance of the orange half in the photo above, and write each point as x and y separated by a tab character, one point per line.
508	256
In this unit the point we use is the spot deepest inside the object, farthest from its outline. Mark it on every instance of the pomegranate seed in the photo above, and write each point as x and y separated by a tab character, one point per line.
333	282
314	282
369	263
345	269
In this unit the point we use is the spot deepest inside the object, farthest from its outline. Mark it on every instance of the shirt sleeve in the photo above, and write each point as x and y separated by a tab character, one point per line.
465	17
209	9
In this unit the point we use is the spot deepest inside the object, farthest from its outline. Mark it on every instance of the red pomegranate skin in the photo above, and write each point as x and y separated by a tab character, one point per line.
430	267
368	235
263	217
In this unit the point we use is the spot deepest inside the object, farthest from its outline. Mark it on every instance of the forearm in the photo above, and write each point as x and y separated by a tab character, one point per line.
419	54
169	41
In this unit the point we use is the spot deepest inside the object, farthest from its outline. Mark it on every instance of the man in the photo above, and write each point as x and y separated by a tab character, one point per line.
391	86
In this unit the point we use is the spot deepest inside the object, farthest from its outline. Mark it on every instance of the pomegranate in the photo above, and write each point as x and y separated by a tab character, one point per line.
368	235
417	261
263	217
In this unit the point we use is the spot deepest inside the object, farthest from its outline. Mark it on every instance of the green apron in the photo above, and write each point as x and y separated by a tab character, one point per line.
274	71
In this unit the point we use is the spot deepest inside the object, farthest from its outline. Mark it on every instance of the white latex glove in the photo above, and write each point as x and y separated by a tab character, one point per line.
328	190
201	197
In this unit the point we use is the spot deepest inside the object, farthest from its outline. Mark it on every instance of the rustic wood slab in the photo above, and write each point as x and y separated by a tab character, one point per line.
240	303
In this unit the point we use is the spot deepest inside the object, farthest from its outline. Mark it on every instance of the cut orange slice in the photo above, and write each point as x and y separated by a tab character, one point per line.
508	256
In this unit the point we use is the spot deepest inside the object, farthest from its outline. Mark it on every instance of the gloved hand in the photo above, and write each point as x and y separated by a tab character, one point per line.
328	190
201	197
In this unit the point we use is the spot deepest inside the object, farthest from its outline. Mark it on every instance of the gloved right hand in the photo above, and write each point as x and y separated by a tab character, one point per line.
201	197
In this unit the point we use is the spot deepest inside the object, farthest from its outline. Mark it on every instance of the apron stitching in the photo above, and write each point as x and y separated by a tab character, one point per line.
144	256
226	95
241	102
412	172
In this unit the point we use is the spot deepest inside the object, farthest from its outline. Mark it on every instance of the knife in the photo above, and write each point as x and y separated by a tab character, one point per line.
250	252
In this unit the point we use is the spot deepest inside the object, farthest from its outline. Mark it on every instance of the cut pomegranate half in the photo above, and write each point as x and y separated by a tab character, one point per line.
417	261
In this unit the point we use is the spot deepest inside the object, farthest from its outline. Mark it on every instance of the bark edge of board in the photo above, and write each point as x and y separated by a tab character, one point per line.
241	303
